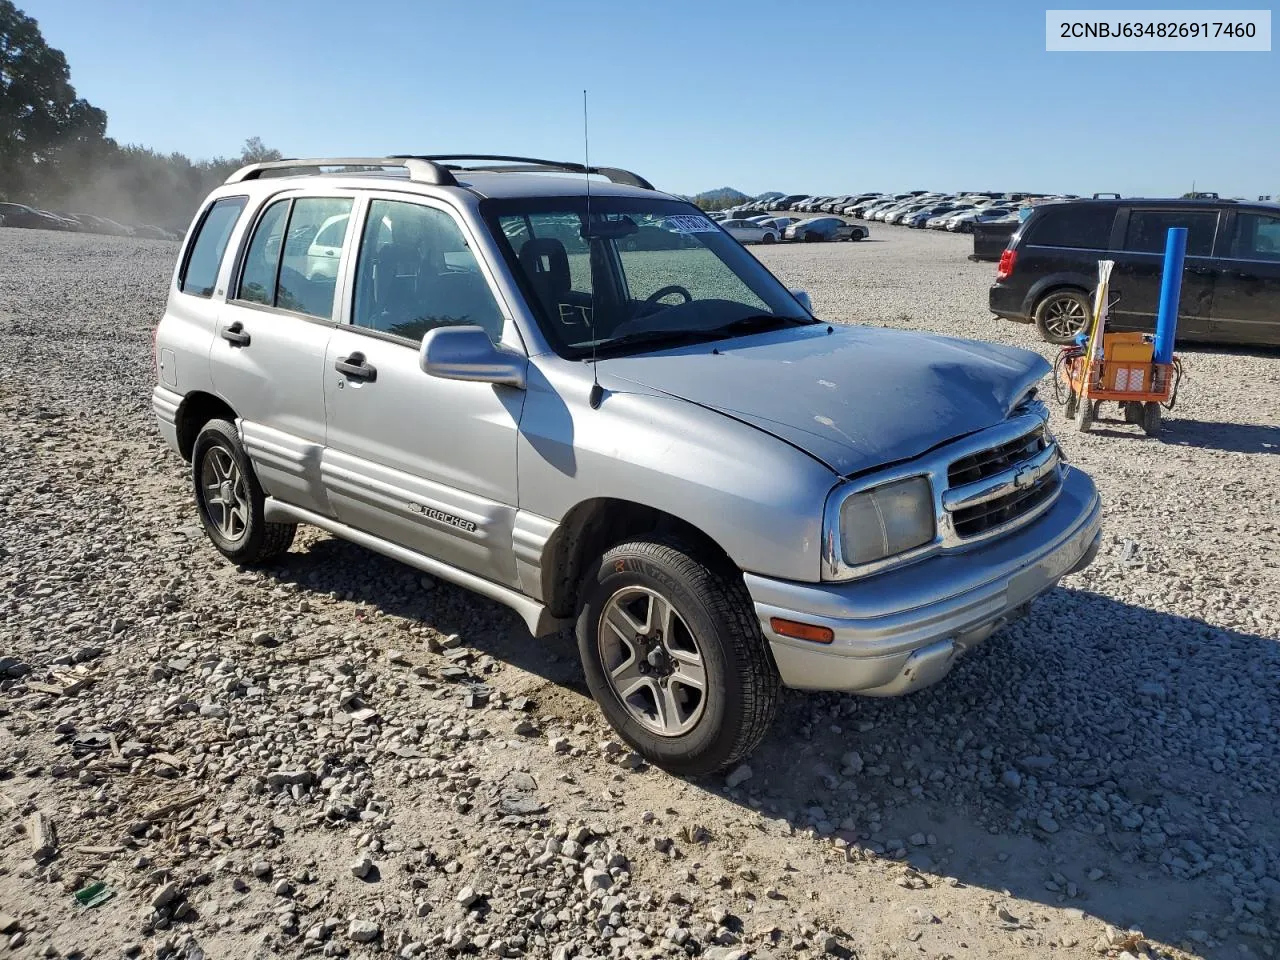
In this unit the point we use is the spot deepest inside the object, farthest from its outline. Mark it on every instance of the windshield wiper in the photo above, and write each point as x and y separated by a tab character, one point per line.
671	338
758	322
655	338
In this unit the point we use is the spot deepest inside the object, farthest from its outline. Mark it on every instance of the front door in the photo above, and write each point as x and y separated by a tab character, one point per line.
426	463
268	358
1246	304
1135	280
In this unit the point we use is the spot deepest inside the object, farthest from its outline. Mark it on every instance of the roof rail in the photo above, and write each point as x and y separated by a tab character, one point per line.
527	165
420	170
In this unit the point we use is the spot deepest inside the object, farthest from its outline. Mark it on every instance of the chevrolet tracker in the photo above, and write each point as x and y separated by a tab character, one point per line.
569	392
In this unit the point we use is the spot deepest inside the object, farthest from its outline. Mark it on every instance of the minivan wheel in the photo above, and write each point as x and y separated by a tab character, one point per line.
1062	314
230	500
674	656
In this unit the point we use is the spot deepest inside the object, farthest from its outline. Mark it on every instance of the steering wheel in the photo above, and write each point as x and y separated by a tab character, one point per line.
653	298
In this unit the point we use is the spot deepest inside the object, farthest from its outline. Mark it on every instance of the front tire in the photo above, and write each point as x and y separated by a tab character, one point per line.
1063	314
674	656
230	500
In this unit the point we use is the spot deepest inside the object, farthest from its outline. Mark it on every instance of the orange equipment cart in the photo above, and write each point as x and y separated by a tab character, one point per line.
1126	373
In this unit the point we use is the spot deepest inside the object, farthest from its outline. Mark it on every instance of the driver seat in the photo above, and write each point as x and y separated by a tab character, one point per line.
546	264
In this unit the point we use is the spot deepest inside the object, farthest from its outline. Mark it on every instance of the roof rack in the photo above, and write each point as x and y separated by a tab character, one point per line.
420	170
450	162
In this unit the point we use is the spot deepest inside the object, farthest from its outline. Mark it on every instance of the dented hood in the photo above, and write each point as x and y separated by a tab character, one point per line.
855	398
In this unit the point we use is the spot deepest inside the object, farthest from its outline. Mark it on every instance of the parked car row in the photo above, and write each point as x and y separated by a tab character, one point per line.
767	229
955	212
32	218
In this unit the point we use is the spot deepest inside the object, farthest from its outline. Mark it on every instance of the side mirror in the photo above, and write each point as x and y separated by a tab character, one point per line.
803	298
467	353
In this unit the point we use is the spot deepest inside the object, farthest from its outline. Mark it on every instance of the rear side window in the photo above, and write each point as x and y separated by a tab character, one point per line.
1148	230
1257	237
1082	227
200	273
286	265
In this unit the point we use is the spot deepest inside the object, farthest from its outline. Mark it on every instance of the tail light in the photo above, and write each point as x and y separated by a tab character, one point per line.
1007	259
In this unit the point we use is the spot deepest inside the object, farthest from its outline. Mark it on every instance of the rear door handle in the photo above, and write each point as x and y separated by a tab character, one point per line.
356	368
235	335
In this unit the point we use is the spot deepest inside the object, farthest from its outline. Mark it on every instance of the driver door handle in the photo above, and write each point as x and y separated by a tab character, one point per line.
235	335
354	367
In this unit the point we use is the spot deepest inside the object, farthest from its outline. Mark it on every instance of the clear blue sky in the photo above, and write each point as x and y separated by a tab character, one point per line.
802	96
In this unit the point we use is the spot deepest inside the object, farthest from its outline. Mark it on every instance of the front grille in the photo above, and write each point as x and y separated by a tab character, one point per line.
972	521
997	478
989	462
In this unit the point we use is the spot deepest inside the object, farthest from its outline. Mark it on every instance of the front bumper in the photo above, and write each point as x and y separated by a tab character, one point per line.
903	630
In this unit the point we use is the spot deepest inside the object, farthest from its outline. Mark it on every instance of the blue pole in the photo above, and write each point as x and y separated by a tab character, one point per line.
1175	251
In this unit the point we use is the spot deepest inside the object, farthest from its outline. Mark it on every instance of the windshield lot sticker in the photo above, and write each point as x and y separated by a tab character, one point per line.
692	224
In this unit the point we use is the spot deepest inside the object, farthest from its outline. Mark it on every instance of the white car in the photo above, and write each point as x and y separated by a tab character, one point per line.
326	248
964	224
745	231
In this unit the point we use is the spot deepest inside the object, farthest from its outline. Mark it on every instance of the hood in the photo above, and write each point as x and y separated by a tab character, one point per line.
856	398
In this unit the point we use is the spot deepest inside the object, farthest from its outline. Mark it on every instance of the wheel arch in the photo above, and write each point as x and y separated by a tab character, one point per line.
197	409
1055	283
592	527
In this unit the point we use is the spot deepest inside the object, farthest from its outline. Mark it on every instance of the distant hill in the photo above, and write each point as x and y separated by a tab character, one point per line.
720	199
770	195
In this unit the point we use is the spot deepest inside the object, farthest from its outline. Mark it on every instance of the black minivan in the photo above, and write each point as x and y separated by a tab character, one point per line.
1230	287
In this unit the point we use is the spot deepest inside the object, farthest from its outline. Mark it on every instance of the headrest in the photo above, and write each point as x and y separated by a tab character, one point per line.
547	264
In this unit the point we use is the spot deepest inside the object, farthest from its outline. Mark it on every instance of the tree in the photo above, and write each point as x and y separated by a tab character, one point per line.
255	151
40	115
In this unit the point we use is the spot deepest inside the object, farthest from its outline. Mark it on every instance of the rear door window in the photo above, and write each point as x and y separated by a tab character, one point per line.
1148	230
1256	237
286	265
1086	226
200	273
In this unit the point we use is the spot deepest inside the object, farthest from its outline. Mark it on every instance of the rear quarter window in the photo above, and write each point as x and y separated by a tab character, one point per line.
204	257
1083	227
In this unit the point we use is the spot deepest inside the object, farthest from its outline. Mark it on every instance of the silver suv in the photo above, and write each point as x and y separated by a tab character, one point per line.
582	398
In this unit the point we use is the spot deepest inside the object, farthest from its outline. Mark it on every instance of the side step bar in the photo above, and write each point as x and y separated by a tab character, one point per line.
539	621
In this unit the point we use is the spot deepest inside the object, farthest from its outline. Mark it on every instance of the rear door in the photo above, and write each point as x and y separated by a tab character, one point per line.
1246	301
1135	281
426	463
268	355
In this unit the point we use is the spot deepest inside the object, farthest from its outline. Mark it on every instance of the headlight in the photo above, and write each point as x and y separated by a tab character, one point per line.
885	521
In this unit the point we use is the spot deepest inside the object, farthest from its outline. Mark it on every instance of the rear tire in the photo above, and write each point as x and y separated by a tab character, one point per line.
230	500
1088	411
1151	418
1062	314
711	632
768	238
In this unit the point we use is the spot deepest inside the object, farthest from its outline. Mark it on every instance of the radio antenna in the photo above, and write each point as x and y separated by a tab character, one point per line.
597	391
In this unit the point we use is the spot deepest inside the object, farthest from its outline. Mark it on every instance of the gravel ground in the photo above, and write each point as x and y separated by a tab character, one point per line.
340	756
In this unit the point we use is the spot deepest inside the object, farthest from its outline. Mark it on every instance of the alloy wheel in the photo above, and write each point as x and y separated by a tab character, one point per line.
226	498
652	661
1065	316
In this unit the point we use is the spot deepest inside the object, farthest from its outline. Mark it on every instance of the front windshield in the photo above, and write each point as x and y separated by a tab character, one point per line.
639	274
